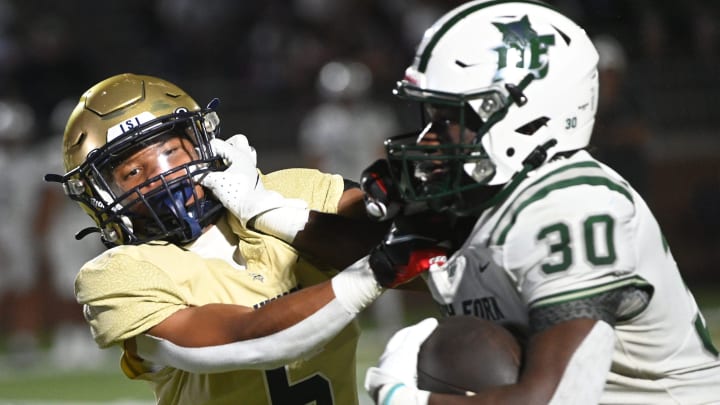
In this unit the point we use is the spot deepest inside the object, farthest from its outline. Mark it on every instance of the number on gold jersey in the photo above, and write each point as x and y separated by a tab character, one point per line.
315	388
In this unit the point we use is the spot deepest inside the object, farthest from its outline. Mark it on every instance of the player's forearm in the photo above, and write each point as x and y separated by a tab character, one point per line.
338	241
330	239
287	329
354	288
298	341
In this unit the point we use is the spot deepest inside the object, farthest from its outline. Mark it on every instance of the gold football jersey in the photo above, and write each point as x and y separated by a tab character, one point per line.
128	289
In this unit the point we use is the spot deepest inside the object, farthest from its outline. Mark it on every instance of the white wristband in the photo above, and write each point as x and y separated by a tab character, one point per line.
284	222
401	394
356	287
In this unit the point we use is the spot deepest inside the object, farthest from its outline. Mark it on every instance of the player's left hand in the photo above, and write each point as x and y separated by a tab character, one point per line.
239	187
395	378
241	161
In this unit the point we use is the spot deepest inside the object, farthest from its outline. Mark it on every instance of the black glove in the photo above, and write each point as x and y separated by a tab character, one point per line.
382	197
402	257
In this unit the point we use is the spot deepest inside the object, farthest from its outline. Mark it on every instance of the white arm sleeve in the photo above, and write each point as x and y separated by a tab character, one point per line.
585	375
354	289
300	340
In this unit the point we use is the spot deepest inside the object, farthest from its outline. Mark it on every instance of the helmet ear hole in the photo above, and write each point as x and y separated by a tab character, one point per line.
510	152
532	126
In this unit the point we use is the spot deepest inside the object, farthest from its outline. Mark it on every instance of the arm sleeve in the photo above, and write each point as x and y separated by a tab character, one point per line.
303	339
354	288
609	306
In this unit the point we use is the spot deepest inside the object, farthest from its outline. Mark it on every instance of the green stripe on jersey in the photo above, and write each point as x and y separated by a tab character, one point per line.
577	174
572	295
425	57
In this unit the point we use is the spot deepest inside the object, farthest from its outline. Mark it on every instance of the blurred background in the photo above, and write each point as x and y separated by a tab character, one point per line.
309	82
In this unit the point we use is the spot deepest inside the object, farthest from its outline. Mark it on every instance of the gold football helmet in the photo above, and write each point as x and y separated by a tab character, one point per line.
119	118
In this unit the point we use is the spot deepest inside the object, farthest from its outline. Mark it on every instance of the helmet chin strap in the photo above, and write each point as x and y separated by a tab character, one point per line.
539	155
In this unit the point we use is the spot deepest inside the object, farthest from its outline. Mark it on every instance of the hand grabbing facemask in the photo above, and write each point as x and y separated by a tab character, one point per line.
239	188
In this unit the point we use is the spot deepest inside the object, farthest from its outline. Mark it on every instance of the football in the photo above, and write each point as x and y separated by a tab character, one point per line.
465	354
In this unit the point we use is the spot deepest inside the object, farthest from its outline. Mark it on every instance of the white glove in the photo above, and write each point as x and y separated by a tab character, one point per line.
240	190
394	380
241	175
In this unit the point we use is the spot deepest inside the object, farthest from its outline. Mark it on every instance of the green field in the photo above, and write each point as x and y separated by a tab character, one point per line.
44	384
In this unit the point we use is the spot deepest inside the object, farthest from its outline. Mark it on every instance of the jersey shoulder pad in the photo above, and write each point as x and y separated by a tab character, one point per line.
563	188
322	191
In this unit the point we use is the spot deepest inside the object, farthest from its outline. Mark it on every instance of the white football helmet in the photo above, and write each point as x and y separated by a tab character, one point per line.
520	75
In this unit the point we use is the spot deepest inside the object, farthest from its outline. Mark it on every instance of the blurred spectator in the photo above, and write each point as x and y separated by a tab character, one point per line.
39	267
62	256
22	309
345	132
621	133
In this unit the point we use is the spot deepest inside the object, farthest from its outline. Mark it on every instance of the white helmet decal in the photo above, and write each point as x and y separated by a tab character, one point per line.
524	47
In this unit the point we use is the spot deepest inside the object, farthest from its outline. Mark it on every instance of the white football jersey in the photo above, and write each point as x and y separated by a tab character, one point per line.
573	229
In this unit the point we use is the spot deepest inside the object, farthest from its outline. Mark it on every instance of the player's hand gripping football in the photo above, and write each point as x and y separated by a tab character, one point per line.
239	187
394	380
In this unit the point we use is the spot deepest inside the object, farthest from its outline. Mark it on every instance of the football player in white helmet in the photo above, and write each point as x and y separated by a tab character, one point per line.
561	247
203	284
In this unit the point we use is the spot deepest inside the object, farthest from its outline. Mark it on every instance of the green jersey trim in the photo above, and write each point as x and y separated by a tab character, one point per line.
573	175
573	295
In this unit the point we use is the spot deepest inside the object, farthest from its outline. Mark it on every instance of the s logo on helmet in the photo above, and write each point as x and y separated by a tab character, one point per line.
524	47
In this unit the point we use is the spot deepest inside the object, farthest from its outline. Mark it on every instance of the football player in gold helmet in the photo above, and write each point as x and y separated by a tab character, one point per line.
203	284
